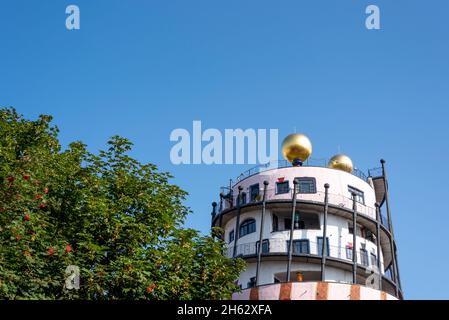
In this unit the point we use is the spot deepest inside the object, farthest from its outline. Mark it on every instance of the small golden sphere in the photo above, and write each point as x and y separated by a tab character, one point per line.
296	146
341	162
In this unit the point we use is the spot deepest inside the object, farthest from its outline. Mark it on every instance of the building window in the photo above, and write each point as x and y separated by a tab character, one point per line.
282	187
320	246
373	259
299	246
242	199
364	257
254	193
306	185
359	195
349	252
275	223
247	227
265	246
231	236
252	282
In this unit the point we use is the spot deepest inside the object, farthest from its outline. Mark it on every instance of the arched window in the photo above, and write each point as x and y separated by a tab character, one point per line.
247	227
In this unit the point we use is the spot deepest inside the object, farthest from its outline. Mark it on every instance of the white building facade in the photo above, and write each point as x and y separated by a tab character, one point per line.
267	209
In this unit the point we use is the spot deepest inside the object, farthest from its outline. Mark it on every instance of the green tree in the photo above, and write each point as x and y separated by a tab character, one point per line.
118	220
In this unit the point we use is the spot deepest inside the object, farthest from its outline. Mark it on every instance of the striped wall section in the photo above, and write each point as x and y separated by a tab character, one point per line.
312	291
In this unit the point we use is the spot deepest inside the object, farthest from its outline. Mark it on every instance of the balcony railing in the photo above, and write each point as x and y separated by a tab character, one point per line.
339	200
285	164
280	246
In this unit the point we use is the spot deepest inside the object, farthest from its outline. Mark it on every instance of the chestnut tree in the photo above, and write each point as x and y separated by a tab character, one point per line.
119	221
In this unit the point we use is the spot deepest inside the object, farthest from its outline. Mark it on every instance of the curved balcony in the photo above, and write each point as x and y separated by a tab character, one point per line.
281	247
336	201
338	256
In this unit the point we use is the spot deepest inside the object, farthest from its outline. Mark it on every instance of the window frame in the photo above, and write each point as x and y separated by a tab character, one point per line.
300	241
242	199
246	223
359	194
364	257
264	241
251	188
299	179
373	259
349	253
282	183
320	246
232	232
275	223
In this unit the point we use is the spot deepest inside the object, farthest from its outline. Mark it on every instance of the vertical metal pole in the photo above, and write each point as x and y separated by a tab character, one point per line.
237	222
292	228
324	248
220	208
259	247
390	226
220	218
354	239
379	265
214	213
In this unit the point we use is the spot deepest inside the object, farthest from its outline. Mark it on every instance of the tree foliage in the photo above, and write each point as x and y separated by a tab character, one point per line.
118	220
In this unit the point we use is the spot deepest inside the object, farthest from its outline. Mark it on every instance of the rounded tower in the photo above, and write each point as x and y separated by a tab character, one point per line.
310	229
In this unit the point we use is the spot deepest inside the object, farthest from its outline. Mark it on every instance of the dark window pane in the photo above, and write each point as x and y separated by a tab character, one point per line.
348	253
242	198
282	187
247	227
320	246
373	259
299	246
231	236
254	193
265	246
275	223
364	257
287	224
359	195
305	185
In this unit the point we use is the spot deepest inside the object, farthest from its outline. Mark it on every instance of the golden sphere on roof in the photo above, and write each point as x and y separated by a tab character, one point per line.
341	162
296	147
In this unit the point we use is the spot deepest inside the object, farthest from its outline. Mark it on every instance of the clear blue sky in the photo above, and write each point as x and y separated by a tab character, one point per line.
143	68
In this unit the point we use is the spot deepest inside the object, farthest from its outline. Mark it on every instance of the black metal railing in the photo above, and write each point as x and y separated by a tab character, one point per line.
280	246
285	164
